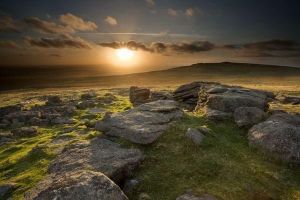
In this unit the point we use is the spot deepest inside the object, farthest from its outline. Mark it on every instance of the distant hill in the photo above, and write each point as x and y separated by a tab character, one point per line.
226	72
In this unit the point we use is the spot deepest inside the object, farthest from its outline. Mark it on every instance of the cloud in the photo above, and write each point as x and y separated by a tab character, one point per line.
111	21
274	45
77	23
163	48
8	44
8	24
65	41
47	26
150	2
69	24
269	45
173	12
269	48
190	12
193	47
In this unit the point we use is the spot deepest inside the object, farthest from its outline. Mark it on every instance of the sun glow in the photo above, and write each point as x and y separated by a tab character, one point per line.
124	54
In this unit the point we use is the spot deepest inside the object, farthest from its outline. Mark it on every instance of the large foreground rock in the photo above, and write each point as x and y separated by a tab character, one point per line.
278	135
98	155
143	124
76	185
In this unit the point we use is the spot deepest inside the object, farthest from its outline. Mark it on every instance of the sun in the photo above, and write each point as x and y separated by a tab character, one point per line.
124	54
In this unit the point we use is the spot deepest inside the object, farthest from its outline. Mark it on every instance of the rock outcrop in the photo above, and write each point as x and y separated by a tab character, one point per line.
76	185
98	155
188	94
279	135
221	102
139	95
143	124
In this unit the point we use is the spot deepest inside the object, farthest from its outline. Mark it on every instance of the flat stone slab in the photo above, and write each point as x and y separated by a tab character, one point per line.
98	155
143	124
76	185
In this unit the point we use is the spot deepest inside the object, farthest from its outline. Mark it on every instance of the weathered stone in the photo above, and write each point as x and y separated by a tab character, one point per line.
129	186
248	116
233	99
53	100
279	135
5	140
189	196
143	124
96	110
155	96
88	95
217	89
98	155
289	100
9	109
195	135
6	190
86	104
77	185
25	132
216	115
108	98
138	95
205	130
144	196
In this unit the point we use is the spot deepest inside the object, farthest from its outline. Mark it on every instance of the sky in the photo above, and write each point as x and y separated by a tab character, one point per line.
158	33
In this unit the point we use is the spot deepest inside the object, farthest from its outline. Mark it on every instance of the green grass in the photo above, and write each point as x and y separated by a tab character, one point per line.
25	161
224	166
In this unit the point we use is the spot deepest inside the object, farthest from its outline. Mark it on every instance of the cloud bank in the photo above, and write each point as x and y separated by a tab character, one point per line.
7	24
65	41
163	48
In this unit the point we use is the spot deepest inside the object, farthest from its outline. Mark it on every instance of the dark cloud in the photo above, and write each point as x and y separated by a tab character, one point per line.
65	41
270	45
270	48
47	26
193	47
8	44
274	45
160	47
8	24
